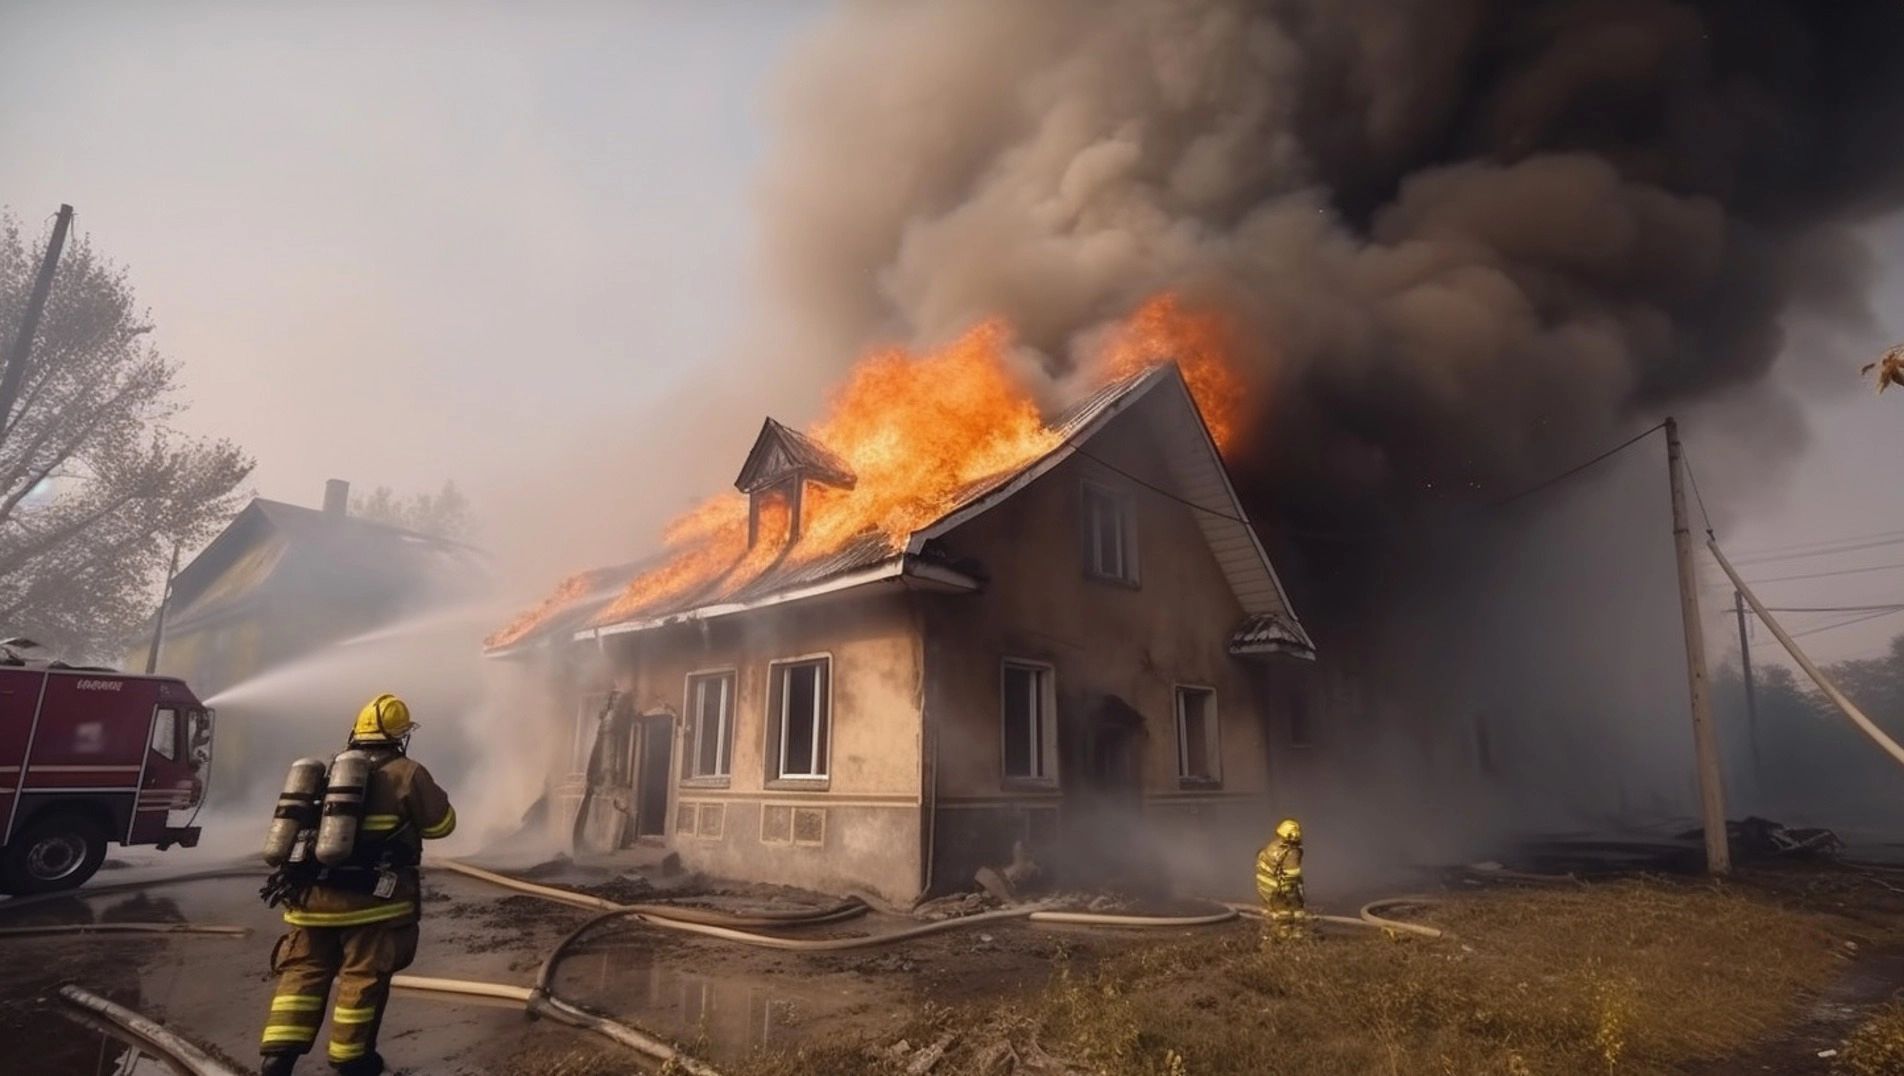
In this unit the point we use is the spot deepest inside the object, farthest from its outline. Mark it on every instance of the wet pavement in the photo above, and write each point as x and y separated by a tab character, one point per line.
723	999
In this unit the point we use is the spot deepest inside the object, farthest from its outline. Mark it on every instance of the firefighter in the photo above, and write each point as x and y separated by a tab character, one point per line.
1279	881
353	912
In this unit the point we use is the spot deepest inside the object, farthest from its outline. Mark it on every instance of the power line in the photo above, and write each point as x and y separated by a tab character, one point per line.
1847	623
1827	575
1834	608
1853	548
1696	496
1817	542
1571	471
1503	502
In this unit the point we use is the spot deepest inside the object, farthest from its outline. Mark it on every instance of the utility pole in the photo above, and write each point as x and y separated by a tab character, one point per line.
15	371
1751	692
1705	743
158	625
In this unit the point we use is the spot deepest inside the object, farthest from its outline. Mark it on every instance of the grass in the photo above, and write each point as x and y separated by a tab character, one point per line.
1624	977
1876	1048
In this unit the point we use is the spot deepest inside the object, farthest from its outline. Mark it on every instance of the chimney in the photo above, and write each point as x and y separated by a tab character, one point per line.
337	498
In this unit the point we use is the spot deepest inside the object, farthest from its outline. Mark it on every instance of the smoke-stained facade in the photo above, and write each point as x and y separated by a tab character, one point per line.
1075	657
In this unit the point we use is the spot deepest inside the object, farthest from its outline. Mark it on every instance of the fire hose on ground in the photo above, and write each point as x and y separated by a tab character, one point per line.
147	1033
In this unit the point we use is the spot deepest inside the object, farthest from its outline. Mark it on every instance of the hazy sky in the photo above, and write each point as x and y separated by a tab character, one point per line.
499	243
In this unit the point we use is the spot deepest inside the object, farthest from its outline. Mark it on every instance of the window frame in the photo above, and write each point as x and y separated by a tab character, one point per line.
774	747
1046	718
1212	732
729	676
1127	545
165	716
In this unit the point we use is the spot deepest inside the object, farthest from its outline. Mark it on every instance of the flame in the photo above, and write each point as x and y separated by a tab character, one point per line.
1202	341
567	592
919	431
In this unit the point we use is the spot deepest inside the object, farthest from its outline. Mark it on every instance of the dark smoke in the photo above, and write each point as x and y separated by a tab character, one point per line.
1469	240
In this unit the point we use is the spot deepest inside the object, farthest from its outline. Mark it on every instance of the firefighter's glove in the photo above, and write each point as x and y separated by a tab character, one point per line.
279	887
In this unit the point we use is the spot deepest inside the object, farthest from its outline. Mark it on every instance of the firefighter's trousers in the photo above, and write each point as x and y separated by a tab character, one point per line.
1283	912
362	960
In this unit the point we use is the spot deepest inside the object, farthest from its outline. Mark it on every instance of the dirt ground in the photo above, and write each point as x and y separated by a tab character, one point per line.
1789	970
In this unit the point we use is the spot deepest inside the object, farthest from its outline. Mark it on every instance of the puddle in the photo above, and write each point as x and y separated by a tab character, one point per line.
79	1045
688	994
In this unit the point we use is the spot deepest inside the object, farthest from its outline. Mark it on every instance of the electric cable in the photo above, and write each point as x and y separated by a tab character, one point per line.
1847	623
1827	575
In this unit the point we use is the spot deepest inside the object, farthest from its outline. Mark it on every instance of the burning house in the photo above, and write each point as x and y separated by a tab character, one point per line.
935	628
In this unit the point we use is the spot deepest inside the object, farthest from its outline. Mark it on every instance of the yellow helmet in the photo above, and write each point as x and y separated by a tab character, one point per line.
384	719
1289	830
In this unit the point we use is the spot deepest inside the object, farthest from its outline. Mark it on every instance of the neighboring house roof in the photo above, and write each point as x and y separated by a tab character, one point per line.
272	549
1190	457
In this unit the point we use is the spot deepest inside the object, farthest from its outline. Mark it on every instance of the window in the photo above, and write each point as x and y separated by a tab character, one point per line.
799	718
1026	711
1199	755
1110	535
165	732
710	724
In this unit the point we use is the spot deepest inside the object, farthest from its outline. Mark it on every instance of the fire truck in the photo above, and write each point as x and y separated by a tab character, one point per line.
91	757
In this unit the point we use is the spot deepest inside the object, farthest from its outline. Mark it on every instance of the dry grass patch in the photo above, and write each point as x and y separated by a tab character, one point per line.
1876	1048
1626	977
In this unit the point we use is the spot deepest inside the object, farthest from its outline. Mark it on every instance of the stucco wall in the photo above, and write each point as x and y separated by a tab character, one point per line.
867	835
1102	638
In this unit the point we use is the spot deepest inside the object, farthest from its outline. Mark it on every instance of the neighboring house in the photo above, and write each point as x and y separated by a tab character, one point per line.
282	581
1071	655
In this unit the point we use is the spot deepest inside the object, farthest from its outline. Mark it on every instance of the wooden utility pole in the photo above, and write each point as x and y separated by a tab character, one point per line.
158	625
1705	743
1751	692
15	371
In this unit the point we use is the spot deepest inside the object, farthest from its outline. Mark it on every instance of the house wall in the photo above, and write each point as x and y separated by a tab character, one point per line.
859	830
1137	643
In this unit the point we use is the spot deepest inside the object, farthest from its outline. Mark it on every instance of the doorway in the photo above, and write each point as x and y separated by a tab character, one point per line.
656	735
1103	794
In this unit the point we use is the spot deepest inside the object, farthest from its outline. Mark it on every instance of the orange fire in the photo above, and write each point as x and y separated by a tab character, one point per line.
1202	341
920	431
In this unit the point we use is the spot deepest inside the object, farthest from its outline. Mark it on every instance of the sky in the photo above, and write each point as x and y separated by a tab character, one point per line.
513	246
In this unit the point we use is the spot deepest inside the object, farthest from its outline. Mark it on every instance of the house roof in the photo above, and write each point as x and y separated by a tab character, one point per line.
271	549
1191	459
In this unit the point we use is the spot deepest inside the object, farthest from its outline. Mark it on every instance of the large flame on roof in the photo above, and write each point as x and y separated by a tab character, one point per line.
920	431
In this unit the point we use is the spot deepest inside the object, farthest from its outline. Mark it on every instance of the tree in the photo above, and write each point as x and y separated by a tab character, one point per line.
96	488
443	515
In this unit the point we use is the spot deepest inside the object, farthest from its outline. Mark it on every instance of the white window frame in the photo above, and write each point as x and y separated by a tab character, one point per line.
1045	721
776	722
729	678
1213	734
1126	530
165	717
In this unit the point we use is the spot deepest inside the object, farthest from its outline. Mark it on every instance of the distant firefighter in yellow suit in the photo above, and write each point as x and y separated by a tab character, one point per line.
1279	880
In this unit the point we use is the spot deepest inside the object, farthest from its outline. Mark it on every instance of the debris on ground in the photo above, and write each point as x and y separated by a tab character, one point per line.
954	906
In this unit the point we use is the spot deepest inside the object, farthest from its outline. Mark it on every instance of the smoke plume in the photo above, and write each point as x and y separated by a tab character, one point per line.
1465	239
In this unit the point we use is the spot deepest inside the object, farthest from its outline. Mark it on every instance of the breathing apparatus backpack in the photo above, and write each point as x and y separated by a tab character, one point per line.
309	844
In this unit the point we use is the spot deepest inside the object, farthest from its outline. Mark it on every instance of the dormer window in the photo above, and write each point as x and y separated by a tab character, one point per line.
781	463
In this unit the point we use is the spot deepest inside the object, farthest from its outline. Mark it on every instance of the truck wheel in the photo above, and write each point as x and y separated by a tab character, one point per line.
55	853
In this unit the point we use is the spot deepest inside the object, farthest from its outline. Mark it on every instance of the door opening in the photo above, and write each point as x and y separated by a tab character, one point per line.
651	788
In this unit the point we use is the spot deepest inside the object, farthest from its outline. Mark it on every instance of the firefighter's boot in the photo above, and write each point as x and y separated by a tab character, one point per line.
278	1064
371	1064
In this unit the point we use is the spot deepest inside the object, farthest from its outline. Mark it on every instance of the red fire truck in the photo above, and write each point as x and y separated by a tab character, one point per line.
90	757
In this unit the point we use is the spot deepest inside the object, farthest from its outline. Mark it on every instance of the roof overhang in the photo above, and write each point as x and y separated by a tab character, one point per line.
904	571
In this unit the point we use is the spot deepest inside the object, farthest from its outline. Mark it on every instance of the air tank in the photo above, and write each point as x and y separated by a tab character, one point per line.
343	808
297	810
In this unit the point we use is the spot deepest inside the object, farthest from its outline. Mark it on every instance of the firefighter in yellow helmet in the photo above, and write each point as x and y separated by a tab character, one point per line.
352	902
1279	880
